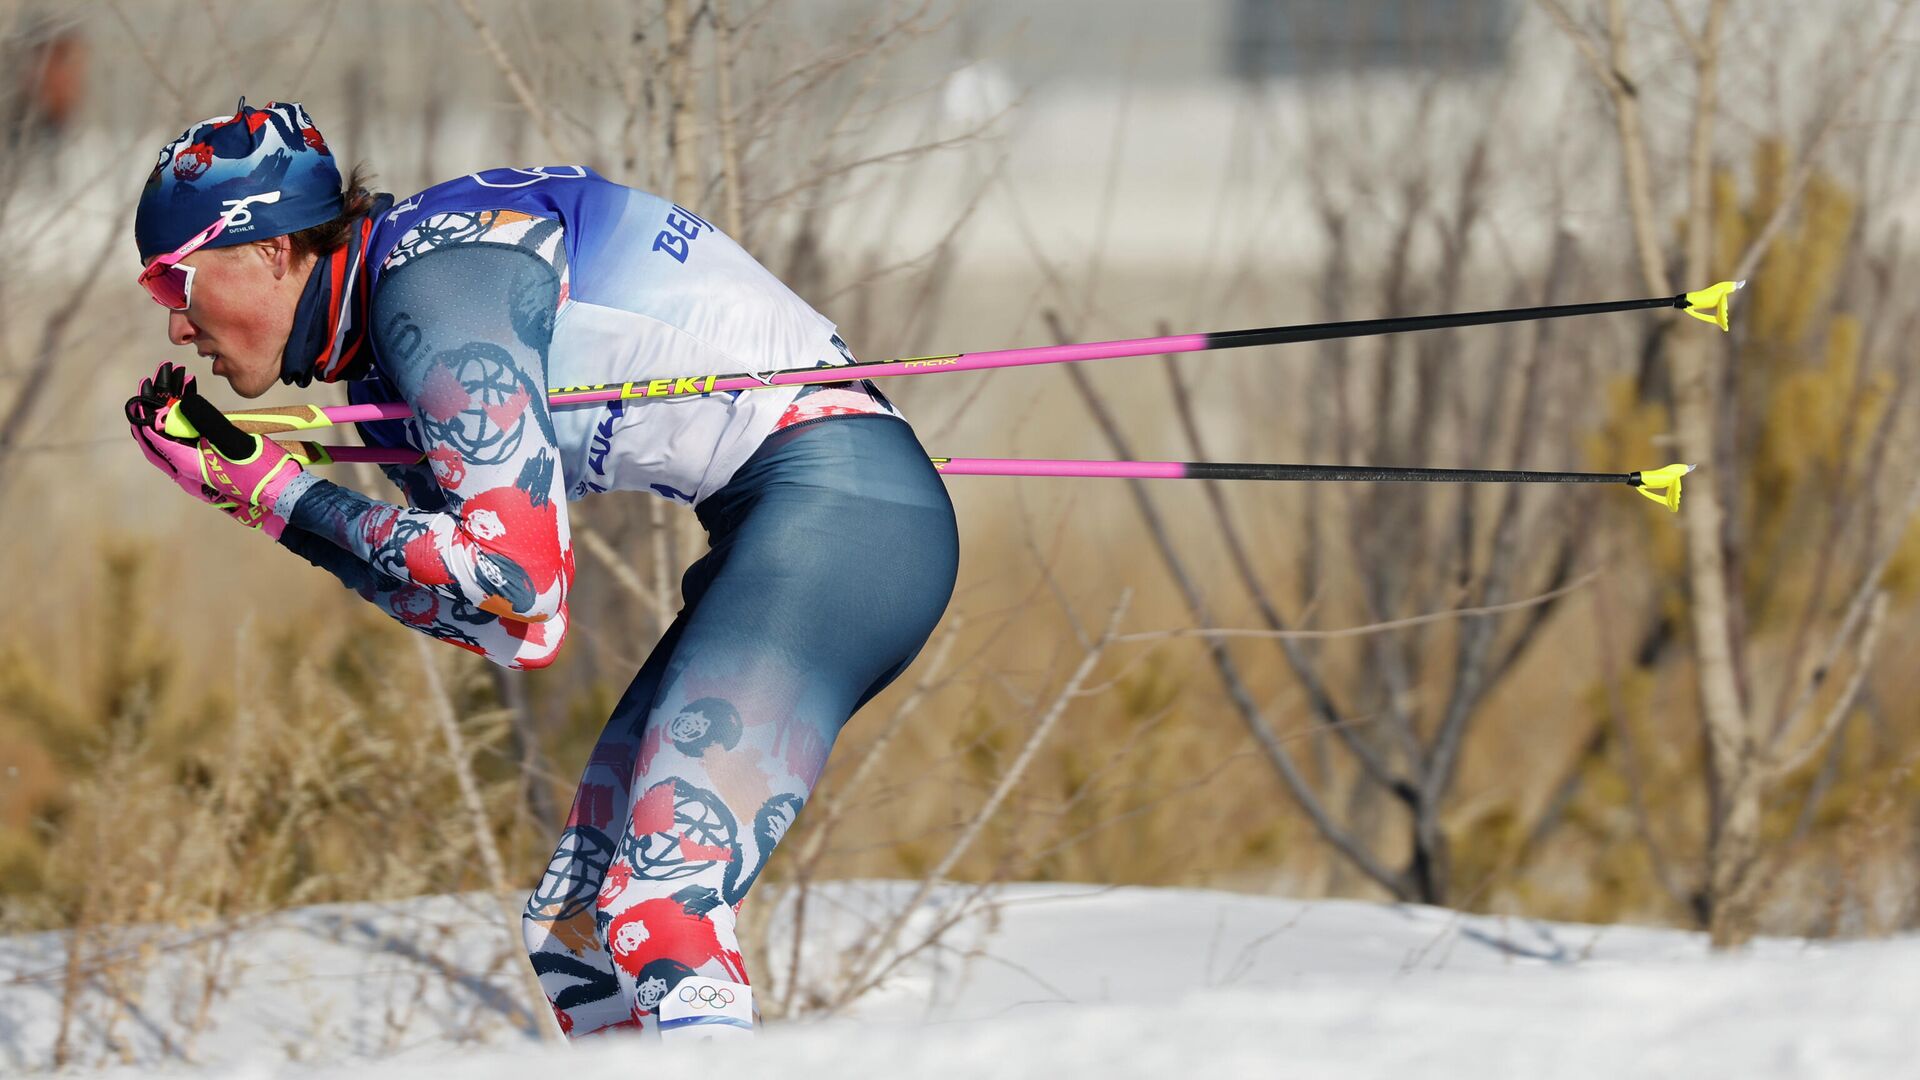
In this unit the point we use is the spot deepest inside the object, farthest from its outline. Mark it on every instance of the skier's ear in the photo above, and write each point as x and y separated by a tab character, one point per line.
276	252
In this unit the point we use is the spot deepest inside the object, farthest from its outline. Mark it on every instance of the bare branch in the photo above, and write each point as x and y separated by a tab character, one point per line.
1305	670
871	971
1858	609
516	81
1237	691
155	68
1695	44
825	817
1470	676
481	827
1803	169
1370	628
723	32
682	118
1700	150
1630	130
52	337
1590	52
1863	662
623	574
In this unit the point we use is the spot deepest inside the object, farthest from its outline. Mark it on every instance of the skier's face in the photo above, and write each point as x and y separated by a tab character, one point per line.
242	308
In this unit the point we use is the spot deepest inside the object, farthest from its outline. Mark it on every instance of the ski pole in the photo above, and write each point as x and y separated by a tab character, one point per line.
1708	305
1661	485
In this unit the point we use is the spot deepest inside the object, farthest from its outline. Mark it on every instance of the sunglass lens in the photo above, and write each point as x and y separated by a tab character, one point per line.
168	286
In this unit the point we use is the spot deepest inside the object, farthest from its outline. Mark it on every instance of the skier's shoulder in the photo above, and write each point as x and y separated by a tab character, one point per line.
531	206
461	253
554	191
494	206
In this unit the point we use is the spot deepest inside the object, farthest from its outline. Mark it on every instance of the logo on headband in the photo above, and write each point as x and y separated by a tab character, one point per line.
239	212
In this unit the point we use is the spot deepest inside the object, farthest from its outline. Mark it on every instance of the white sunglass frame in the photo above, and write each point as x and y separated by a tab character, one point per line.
162	264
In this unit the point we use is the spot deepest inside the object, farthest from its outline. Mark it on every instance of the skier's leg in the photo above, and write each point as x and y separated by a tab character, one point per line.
566	947
833	555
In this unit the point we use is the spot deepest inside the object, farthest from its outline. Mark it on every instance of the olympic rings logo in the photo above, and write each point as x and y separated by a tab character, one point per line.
519	178
709	997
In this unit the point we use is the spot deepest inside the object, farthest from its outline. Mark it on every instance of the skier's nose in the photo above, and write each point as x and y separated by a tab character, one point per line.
179	329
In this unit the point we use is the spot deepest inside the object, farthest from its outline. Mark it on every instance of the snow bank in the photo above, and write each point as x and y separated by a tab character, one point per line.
1065	980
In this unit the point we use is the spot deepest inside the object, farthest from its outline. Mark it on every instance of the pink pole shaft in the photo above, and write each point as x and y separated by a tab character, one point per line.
378	455
975	361
1093	350
1117	470
360	414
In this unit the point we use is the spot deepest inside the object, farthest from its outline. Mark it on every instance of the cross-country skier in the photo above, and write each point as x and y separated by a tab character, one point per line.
832	546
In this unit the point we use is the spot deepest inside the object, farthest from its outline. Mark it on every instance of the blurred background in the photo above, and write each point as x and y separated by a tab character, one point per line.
1560	703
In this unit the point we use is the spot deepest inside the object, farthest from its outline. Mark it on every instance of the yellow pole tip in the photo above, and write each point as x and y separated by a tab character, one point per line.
1710	304
1663	485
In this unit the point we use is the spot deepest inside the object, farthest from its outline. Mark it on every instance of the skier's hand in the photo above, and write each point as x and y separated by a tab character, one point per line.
186	437
148	412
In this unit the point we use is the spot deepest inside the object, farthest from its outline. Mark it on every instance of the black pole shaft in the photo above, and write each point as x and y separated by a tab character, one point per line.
1223	339
1278	335
1201	470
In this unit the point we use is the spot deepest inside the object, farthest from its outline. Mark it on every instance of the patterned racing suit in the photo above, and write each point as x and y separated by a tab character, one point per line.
832	547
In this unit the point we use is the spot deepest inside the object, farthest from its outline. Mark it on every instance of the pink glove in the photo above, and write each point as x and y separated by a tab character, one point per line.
147	412
186	437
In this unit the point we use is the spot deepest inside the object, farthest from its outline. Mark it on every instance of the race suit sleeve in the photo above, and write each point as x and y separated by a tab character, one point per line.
463	333
502	641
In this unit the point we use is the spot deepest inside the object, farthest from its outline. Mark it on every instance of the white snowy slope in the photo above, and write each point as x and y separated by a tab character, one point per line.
1055	981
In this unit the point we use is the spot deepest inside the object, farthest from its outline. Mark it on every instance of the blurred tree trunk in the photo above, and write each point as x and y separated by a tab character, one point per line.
1733	791
682	114
1733	762
1745	755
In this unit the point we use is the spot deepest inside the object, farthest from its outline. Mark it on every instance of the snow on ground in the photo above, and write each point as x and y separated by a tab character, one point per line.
1059	980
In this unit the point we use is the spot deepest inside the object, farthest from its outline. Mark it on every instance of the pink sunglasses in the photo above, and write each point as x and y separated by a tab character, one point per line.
169	283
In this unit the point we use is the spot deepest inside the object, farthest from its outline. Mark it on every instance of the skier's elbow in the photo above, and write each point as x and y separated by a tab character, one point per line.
530	611
539	642
525	586
545	607
532	663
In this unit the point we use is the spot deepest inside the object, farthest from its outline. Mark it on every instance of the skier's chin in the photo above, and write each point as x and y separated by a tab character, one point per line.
247	384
